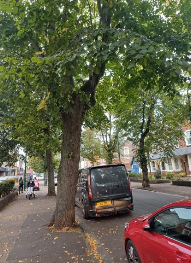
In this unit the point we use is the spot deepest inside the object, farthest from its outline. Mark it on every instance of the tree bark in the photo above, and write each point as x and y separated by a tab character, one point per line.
142	151
50	168
64	215
143	163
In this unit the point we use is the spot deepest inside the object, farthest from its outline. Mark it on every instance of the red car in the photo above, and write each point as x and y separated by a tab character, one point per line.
162	237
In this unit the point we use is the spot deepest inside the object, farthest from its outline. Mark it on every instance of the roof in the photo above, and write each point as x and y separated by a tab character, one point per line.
177	152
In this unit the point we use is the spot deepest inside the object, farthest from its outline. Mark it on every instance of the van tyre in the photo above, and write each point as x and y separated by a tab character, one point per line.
85	213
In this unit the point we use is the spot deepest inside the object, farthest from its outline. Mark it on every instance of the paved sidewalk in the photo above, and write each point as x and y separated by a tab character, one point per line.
25	238
166	188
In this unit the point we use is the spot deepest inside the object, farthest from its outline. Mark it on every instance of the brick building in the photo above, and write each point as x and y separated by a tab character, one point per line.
180	162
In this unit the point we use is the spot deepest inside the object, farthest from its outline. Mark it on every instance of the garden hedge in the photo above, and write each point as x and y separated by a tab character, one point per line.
6	187
157	181
181	183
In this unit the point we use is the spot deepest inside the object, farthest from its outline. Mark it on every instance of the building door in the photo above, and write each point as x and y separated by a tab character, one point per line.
135	168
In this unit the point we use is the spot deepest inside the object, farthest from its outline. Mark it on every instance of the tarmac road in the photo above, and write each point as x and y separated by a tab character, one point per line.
108	231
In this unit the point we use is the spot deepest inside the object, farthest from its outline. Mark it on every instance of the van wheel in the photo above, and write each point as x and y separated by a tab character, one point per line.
85	213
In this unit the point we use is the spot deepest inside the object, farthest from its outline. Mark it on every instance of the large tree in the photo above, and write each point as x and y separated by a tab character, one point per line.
91	147
9	144
63	48
101	116
32	126
152	121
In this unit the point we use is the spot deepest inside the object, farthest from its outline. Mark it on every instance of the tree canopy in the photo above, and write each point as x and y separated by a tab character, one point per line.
55	52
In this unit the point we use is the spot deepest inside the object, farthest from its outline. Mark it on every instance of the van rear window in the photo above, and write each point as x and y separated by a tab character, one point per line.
109	174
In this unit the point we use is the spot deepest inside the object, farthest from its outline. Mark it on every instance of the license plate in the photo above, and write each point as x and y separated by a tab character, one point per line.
103	203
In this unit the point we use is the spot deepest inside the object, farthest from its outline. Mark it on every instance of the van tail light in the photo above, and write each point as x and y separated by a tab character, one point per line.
89	187
129	184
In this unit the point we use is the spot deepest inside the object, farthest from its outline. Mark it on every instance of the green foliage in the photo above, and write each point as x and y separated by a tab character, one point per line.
180	175
169	175
158	174
37	164
6	187
51	63
102	117
91	147
132	174
56	161
9	150
54	53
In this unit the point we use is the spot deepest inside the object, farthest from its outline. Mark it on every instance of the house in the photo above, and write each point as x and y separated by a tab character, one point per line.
127	153
125	156
16	170
180	162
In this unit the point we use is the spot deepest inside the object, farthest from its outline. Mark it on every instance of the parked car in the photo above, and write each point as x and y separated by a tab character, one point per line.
39	176
164	236
104	190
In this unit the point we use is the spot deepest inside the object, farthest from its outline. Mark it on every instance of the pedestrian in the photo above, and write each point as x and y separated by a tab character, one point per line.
20	185
30	183
30	189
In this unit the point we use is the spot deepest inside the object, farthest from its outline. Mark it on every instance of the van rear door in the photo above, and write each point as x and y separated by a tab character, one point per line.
109	182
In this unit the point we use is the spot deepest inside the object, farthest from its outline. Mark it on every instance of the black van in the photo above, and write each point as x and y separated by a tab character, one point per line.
104	190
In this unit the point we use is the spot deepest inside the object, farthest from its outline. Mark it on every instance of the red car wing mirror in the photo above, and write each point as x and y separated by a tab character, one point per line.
146	226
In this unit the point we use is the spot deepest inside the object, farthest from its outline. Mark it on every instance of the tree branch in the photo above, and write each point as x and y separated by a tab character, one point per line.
149	120
90	13
143	118
37	49
91	84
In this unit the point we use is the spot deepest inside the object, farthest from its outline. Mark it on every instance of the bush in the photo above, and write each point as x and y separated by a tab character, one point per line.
181	175
169	176
132	174
6	187
158	174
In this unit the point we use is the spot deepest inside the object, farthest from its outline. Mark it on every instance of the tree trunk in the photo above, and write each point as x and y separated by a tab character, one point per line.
143	163
64	215
109	158
50	168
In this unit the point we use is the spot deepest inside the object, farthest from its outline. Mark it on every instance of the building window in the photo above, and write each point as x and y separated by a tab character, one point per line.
170	164
188	137
163	166
153	165
126	150
176	163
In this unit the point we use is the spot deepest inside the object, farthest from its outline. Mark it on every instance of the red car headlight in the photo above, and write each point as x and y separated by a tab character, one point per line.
126	225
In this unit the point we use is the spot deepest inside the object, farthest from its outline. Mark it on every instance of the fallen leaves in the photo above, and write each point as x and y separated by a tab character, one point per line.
64	230
93	246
